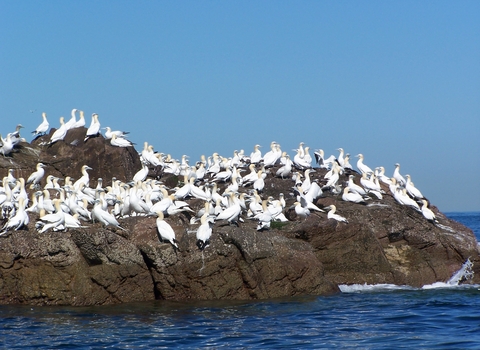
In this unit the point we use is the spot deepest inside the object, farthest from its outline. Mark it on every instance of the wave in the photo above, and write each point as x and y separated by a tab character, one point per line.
464	274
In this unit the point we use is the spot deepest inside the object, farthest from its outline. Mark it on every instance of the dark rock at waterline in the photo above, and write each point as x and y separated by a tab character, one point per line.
382	243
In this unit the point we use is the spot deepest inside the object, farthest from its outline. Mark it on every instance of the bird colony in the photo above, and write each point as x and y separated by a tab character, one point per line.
231	188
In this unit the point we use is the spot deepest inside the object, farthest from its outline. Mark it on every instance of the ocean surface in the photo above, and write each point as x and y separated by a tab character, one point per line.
440	316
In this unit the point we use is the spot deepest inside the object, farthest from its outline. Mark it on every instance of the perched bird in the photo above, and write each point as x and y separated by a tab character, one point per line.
119	141
352	196
37	176
204	231
165	230
362	167
427	213
60	133
396	175
19	220
43	127
331	214
80	122
109	133
94	128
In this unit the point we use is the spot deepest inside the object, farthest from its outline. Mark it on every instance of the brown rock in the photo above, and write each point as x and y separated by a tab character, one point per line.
383	242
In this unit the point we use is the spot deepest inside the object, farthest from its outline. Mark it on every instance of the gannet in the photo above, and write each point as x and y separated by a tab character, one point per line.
7	145
352	196
19	220
331	214
259	183
103	216
119	141
256	155
396	175
84	179
286	169
36	176
427	213
340	158
354	187
60	133
381	175
43	127
369	184
94	128
299	160
307	182
165	231
401	196
264	217
15	136
142	174
204	231
321	161
301	211
54	220
346	162
411	189
272	156
72	120
109	133
80	122
231	213
362	167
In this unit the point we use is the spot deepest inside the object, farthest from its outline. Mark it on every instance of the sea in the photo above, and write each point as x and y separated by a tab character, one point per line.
439	316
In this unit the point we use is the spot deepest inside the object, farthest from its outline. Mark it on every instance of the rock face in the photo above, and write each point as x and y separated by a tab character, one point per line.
383	243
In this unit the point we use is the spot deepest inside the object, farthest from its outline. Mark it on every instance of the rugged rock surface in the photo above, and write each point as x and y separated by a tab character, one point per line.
382	243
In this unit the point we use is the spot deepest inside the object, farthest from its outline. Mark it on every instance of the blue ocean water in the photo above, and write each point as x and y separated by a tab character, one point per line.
361	317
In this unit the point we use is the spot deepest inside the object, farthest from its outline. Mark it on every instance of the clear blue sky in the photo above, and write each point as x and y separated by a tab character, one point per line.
396	81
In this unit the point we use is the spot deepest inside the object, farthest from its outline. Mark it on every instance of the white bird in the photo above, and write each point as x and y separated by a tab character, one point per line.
286	169
18	220
109	133
340	158
352	196
272	156
7	145
331	214
103	216
54	220
84	179
354	187
412	190
259	183
60	133
80	122
256	155
362	167
204	231
119	141
94	128
427	213
381	175
396	175
402	197
231	213
36	176
301	211
71	122
43	127
141	175
165	231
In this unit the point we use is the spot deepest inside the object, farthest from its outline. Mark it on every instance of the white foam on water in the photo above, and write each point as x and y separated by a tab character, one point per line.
356	288
464	274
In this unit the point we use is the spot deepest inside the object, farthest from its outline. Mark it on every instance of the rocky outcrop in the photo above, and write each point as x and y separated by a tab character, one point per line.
383	242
